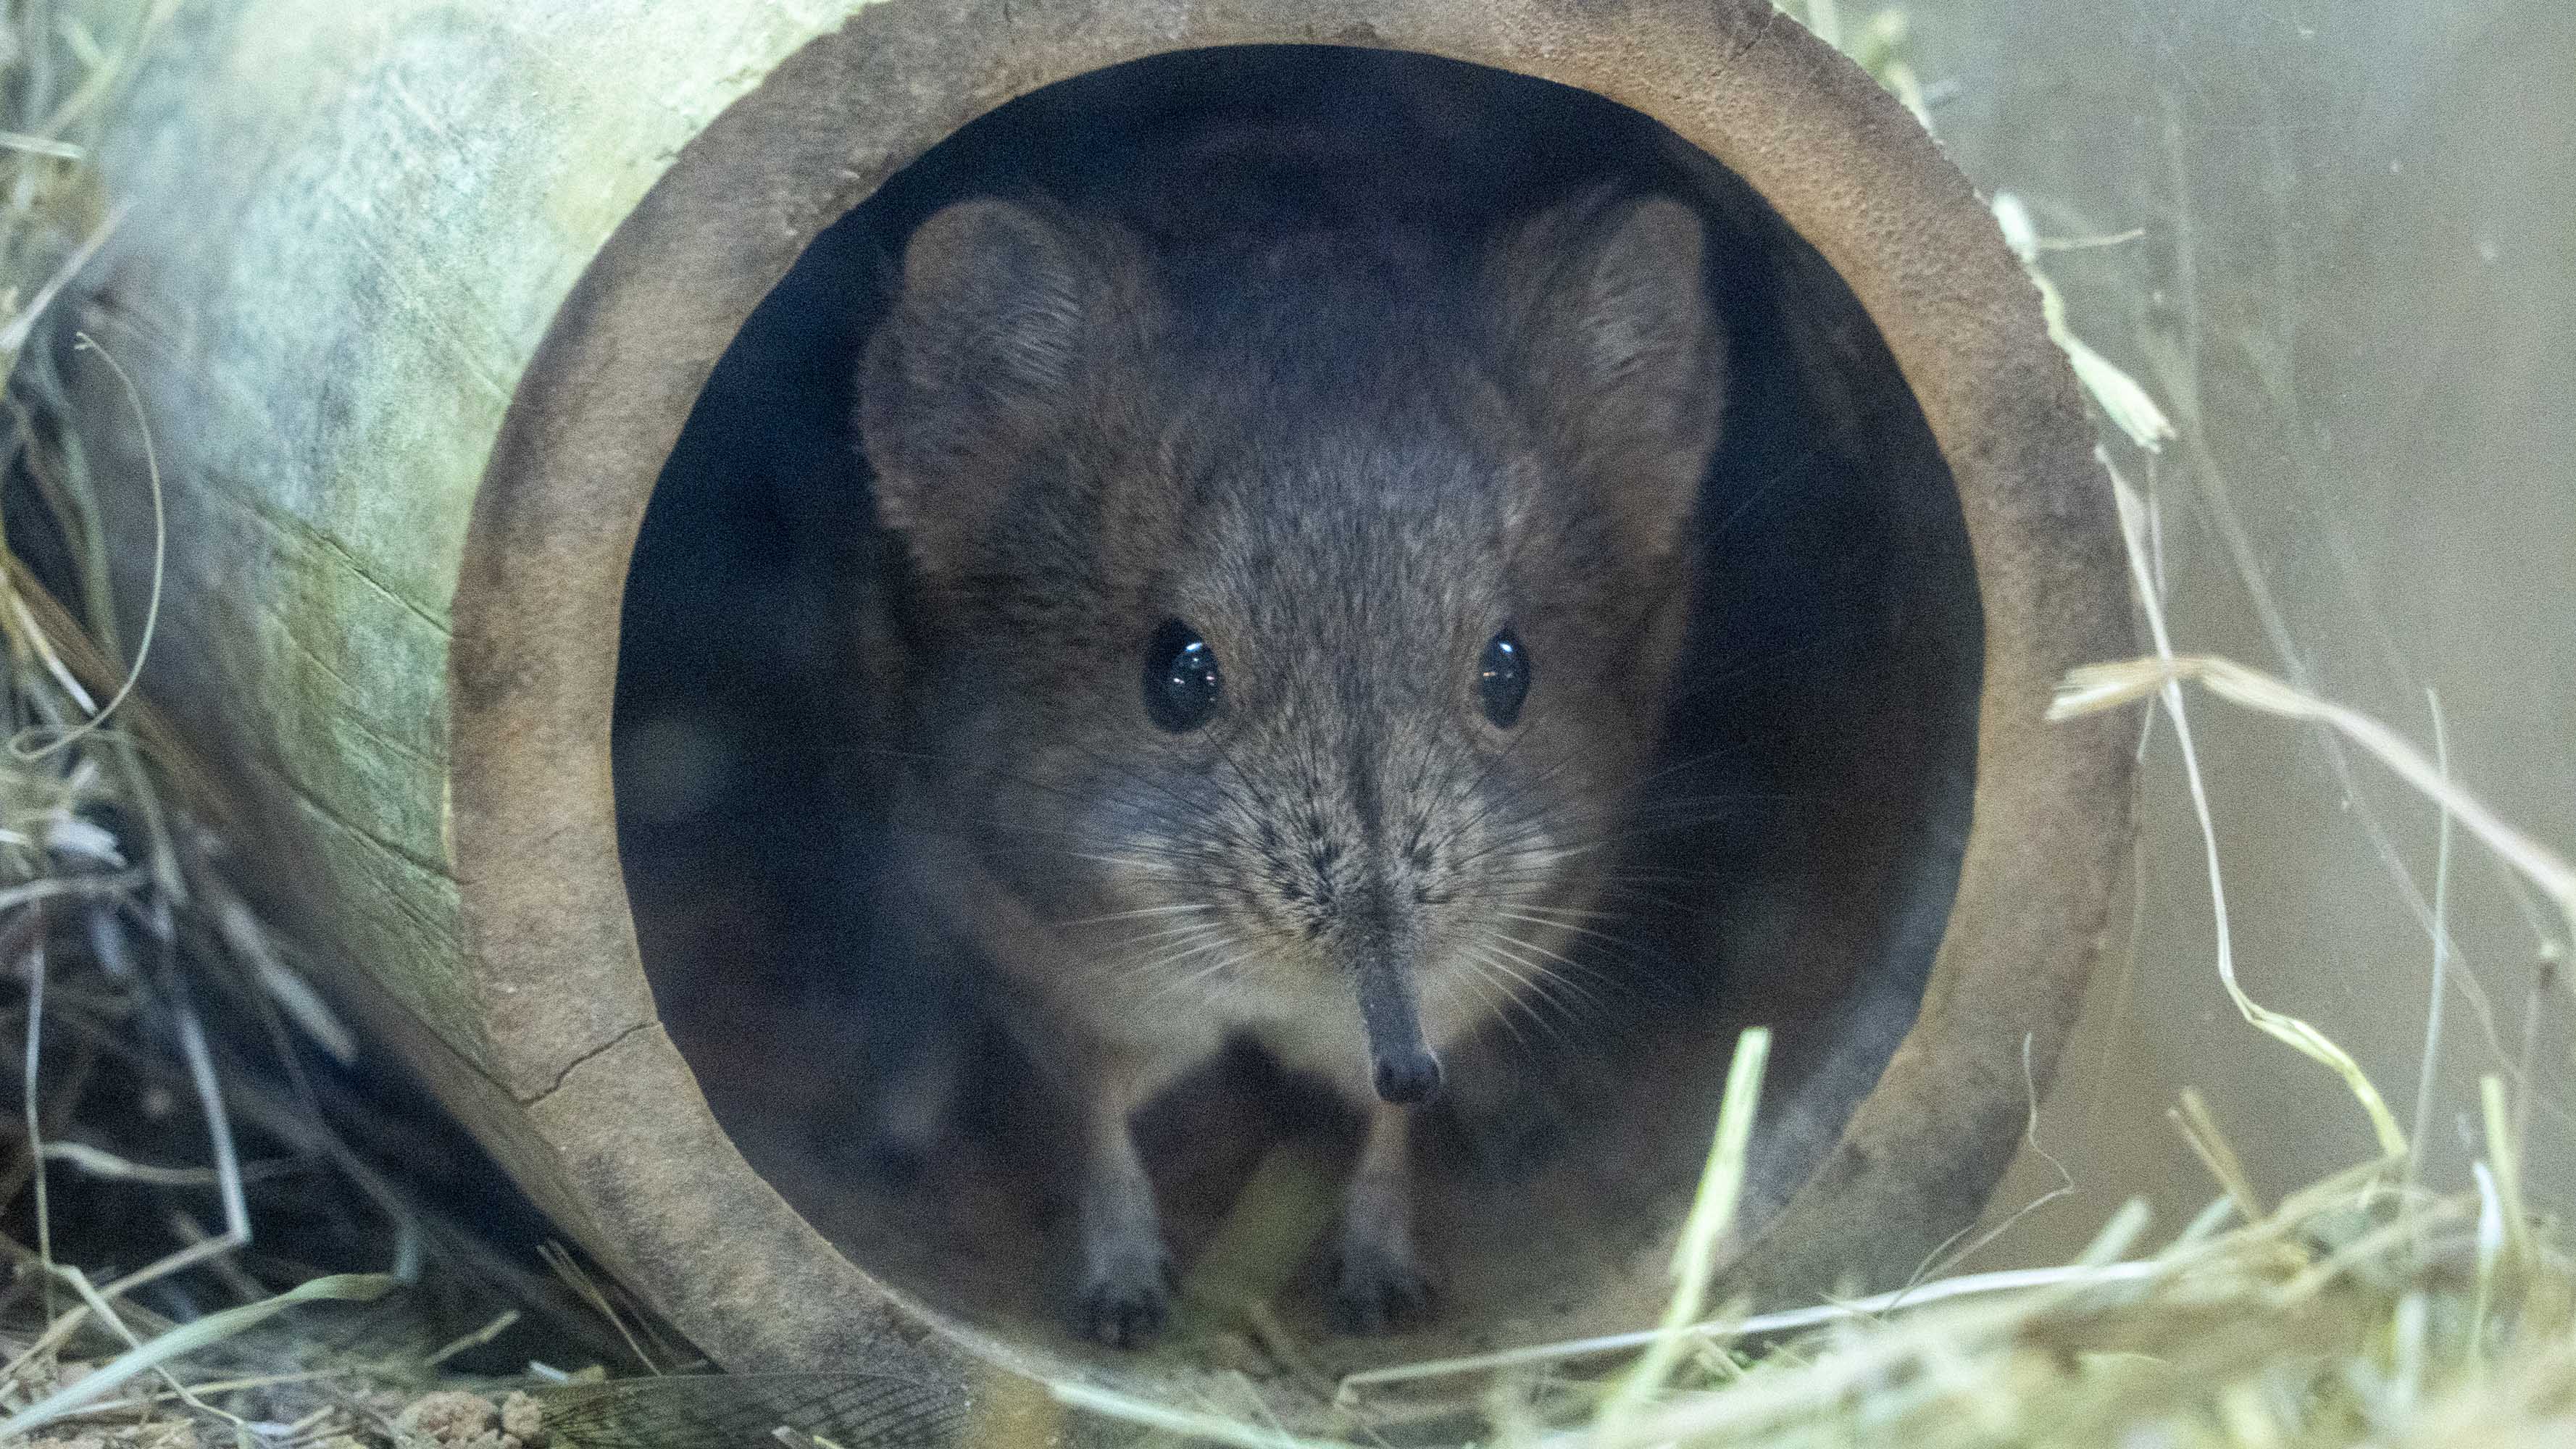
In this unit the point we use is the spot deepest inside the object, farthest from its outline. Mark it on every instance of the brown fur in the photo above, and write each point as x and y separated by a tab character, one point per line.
1347	457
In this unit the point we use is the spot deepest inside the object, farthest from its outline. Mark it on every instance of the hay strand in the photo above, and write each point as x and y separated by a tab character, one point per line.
186	1339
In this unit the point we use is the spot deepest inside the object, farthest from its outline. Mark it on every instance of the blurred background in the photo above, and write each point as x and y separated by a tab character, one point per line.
2333	241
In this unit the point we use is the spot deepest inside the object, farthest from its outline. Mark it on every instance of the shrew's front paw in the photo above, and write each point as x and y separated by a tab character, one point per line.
1126	1299
1379	1288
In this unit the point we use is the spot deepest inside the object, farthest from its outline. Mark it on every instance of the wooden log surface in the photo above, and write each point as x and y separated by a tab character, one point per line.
348	229
347	232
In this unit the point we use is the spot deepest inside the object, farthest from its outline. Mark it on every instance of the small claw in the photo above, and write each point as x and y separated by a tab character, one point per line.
1127	1304
1377	1292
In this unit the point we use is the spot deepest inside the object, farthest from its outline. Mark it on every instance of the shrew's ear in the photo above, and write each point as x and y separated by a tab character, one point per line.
1609	334
1005	312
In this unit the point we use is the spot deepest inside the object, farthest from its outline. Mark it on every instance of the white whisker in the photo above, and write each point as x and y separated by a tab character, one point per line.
1497	1007
1205	939
1566	964
1170	934
1521	991
1544	981
1602	936
1139	913
1195	977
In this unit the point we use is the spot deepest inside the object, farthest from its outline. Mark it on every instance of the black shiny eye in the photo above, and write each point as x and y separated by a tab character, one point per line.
1180	678
1503	678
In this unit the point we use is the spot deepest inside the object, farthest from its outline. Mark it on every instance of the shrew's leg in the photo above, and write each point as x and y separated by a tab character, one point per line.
1380	1283
1126	1293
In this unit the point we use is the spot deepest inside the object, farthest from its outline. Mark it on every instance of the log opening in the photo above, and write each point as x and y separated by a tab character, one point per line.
1832	666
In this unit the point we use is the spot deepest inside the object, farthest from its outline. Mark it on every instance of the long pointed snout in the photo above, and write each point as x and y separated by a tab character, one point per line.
1403	1066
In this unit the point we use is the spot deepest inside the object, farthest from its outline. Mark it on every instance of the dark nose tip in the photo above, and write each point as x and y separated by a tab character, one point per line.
1408	1076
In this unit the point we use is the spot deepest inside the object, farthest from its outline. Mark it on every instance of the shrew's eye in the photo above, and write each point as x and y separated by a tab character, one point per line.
1503	678
1180	678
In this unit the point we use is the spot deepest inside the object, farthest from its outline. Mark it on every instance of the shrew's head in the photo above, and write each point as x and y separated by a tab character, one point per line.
1292	618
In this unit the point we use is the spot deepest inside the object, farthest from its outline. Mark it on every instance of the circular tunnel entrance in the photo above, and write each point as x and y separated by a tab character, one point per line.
1819	763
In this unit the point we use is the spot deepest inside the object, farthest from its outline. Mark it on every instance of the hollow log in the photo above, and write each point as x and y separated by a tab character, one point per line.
419	296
